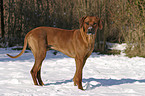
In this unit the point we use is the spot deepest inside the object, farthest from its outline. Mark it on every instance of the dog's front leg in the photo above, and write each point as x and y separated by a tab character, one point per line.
78	74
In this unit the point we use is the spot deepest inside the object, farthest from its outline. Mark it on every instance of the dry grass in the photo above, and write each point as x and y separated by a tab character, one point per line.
123	20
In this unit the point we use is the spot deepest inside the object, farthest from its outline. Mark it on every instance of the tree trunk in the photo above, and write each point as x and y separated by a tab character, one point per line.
2	19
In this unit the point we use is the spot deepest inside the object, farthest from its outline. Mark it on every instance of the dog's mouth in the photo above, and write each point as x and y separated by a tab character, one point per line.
91	31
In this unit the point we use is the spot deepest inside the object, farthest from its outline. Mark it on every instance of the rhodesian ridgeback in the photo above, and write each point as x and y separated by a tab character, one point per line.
77	44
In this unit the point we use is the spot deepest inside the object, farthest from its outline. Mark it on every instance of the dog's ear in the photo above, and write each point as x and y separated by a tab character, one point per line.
100	24
81	21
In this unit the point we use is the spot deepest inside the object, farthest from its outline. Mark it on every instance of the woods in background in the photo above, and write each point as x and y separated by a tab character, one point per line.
123	20
2	18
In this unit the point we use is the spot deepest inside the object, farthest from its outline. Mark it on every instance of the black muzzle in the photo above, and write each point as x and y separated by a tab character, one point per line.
91	31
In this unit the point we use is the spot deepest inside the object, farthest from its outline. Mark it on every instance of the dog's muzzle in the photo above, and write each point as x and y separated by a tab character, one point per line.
91	31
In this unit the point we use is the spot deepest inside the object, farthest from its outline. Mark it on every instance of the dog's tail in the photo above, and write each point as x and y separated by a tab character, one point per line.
23	50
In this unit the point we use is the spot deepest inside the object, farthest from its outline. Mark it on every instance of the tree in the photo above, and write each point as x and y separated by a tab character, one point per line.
2	18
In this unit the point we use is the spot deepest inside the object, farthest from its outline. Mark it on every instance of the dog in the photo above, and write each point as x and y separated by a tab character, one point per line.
77	44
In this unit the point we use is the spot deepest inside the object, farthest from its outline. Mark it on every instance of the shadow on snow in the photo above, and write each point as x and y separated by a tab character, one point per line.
100	82
28	56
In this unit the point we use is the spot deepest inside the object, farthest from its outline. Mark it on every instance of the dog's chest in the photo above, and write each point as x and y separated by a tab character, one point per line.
90	41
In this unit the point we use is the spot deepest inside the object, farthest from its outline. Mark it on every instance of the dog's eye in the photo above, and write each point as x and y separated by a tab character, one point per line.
87	23
94	23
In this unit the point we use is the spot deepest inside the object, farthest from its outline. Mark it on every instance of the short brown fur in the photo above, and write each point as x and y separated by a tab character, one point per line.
74	43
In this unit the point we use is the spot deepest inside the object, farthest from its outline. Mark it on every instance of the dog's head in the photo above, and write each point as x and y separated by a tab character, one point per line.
90	24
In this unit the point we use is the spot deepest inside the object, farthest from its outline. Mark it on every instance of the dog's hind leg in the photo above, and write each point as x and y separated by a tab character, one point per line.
36	70
33	72
39	78
38	48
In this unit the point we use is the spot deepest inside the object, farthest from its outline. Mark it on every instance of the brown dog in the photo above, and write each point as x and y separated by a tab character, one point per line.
77	44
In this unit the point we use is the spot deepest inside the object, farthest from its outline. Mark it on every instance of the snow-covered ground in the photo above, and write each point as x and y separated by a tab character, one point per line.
103	75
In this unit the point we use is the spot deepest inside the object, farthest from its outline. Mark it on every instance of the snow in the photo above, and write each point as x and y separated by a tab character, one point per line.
103	75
